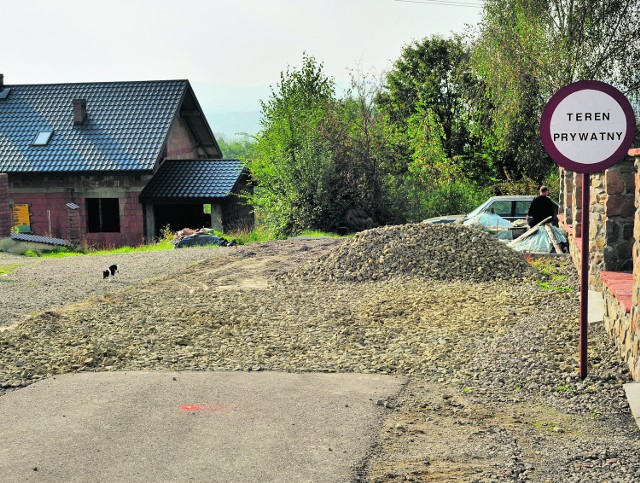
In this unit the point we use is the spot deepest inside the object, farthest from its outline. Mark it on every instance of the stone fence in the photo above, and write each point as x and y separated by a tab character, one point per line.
614	246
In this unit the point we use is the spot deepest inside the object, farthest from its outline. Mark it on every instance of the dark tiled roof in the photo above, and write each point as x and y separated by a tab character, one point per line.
193	179
125	128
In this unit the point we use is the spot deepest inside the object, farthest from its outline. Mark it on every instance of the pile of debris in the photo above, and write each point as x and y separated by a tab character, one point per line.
188	237
541	238
431	251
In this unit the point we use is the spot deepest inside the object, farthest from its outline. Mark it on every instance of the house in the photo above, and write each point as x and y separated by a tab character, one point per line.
113	163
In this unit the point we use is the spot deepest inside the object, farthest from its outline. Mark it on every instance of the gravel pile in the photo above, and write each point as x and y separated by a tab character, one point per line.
430	251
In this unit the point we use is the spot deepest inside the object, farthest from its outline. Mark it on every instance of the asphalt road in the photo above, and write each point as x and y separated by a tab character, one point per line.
192	426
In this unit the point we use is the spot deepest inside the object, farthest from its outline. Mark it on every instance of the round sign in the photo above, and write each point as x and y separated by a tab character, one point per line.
587	126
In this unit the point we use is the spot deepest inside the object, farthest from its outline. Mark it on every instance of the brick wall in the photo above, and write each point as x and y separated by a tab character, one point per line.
181	144
5	208
48	196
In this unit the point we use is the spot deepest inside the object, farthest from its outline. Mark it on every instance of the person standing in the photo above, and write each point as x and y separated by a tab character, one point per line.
541	207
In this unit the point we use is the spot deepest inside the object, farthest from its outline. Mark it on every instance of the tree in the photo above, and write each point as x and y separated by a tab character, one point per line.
290	161
427	97
528	49
359	136
431	73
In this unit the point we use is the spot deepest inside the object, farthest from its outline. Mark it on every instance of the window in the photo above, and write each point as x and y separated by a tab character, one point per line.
522	207
4	93
42	139
103	215
502	208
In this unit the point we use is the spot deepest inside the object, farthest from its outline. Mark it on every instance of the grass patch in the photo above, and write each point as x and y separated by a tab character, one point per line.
256	235
553	287
566	389
7	269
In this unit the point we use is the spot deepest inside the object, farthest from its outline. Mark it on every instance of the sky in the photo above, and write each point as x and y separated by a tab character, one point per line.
231	51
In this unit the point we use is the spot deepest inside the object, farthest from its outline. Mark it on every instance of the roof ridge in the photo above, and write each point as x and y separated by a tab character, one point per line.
96	83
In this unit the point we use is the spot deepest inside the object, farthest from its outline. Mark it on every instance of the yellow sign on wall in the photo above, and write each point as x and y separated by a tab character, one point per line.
21	218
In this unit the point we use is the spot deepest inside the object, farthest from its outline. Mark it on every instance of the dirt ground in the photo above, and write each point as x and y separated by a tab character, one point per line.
493	398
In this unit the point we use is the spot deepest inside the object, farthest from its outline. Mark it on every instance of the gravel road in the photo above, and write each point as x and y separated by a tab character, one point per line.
493	392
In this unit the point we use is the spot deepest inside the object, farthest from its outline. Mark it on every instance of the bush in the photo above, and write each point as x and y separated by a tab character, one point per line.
456	198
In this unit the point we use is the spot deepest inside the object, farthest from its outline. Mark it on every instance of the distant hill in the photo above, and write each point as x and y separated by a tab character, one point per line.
229	124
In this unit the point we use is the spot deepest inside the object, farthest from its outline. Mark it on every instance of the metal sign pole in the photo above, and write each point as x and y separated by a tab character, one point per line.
584	275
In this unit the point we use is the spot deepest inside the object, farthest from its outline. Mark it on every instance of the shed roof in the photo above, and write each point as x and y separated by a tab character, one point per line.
125	128
189	180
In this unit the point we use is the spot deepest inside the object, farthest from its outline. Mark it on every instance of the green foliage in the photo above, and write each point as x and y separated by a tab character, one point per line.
456	197
290	161
166	233
527	50
321	162
236	148
258	234
429	94
430	74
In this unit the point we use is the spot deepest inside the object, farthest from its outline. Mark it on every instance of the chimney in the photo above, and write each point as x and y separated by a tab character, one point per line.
1	82
79	110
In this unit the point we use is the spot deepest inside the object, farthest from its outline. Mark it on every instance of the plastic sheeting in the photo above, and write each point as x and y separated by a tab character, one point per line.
489	220
539	242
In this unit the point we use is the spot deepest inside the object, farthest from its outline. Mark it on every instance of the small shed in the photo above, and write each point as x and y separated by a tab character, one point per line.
196	194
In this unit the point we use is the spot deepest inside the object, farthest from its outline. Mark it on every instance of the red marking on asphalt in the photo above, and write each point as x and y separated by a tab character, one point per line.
213	408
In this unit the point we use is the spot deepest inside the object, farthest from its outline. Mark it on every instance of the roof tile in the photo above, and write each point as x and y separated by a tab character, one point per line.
126	125
193	179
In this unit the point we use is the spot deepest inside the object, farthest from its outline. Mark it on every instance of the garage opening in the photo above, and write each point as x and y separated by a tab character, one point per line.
180	216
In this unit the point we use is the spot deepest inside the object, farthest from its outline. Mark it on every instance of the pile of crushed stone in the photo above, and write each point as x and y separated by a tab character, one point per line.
421	250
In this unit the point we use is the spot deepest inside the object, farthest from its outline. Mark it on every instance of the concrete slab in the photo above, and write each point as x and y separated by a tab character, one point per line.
632	390
596	307
192	426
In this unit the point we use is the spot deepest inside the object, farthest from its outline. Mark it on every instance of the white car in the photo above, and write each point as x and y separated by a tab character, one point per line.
510	208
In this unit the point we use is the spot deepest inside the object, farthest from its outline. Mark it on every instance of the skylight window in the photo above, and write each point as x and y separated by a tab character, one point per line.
43	137
4	92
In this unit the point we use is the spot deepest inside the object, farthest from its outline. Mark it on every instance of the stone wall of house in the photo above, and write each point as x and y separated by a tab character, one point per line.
576	202
566	195
48	194
619	204
5	206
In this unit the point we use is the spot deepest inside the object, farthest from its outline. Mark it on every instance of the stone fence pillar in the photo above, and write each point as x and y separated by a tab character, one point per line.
611	221
566	198
576	203
634	357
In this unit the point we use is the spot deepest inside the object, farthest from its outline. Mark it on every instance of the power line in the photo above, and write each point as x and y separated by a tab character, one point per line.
443	2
